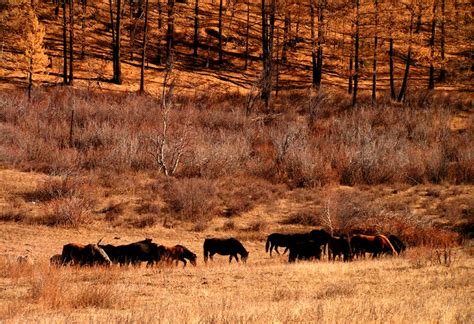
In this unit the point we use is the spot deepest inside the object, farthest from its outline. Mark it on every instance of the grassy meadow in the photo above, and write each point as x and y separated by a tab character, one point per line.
419	286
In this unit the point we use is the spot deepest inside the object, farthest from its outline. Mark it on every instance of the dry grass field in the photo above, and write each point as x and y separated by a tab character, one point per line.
419	286
426	284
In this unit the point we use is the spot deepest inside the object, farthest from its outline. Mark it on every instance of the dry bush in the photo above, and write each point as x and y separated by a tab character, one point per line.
190	199
391	143
68	212
303	217
54	188
97	296
229	225
49	288
241	194
258	225
12	215
12	269
142	221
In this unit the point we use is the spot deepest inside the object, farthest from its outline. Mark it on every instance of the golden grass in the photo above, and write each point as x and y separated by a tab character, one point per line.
416	287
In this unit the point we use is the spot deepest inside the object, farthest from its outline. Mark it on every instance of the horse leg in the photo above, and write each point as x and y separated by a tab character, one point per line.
286	249
276	249
230	258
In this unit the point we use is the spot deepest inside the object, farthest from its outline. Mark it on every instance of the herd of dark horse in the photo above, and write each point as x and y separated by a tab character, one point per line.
307	246
144	251
301	246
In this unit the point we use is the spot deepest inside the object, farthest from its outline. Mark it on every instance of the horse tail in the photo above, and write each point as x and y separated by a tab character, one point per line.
267	245
387	241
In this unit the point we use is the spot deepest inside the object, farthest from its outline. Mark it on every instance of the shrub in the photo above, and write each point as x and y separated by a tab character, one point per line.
190	199
68	212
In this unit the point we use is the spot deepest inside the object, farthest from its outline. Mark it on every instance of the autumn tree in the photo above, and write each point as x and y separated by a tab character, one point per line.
32	44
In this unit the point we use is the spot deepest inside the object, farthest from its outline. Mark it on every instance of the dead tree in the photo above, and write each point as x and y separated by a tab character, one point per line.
404	86
374	72
71	41
442	72
268	27
170	34
65	63
247	33
196	28
220	31
116	52
145	30
356	54
431	84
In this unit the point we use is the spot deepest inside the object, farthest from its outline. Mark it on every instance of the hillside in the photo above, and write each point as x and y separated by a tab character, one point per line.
93	49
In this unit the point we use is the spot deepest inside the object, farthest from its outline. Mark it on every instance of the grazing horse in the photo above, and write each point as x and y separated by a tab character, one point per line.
178	253
341	247
229	246
80	254
375	244
320	236
304	250
276	240
397	243
133	253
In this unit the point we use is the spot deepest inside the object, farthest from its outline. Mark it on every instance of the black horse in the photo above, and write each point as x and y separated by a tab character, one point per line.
276	240
397	243
321	237
341	247
229	246
134	253
304	250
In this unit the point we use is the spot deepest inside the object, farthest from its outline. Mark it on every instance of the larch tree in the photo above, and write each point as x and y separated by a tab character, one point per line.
34	53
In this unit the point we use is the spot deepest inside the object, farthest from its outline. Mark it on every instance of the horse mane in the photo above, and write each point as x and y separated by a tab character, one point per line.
387	241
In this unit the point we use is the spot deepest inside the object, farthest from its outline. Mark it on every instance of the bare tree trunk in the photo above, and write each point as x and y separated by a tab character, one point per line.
196	28
160	25
313	41
374	74
267	44
118	65
83	28
277	85
431	84
319	63
220	31
393	96
71	41
404	86
442	72
286	32
170	34
30	77
247	36
349	89
65	70
112	26
356	55
145	30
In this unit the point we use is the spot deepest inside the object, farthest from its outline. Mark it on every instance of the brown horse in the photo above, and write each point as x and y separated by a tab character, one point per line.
375	244
177	253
